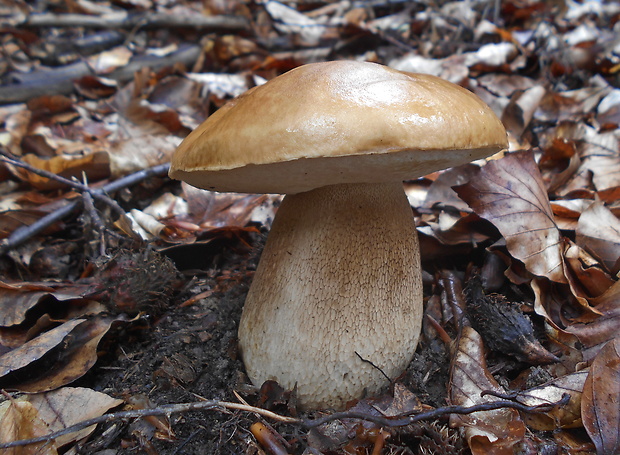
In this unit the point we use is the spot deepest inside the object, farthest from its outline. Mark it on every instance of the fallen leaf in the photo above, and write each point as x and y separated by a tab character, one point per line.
598	232
17	298
289	21
108	61
95	165
67	406
599	154
600	406
35	349
510	194
594	334
567	416
33	367
587	276
21	420
140	152
519	112
498	431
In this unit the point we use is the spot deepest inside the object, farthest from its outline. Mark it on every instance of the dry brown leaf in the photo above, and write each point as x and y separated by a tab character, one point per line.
16	121
21	420
599	154
35	349
505	84
519	112
33	367
594	334
107	61
14	337
598	232
441	192
67	406
488	432
137	153
600	407
79	354
15	219
510	194
587	277
96	166
289	21
455	231
568	211
17	298
210	209
567	416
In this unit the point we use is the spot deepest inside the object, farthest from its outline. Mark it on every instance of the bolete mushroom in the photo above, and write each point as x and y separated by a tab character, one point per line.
337	294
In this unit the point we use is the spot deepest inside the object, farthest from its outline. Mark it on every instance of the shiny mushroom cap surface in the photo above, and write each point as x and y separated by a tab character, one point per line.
337	122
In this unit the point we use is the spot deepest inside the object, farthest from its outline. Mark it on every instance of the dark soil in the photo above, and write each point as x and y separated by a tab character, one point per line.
190	353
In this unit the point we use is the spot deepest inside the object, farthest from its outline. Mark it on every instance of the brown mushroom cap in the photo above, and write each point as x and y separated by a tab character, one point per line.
337	122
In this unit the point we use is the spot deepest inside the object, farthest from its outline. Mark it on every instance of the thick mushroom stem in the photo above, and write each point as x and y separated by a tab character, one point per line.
339	279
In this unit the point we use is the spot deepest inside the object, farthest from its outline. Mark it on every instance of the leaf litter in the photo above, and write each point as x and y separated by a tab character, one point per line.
138	295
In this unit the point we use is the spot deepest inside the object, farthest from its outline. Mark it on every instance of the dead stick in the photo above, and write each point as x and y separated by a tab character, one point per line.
59	81
25	233
397	421
146	20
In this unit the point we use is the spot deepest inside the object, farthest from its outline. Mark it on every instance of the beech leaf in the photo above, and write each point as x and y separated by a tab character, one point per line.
19	419
566	416
598	232
67	406
510	193
488	432
600	407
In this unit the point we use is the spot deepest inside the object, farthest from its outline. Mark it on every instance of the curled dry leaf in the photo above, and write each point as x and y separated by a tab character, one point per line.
17	298
510	194
566	416
519	112
600	407
34	349
488	432
289	21
598	232
593	334
599	154
586	275
54	358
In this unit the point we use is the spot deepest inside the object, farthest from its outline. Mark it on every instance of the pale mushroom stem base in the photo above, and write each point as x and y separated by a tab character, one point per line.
339	276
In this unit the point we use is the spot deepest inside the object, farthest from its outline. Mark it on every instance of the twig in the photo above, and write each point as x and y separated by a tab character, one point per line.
13	160
25	233
95	219
146	20
397	421
60	80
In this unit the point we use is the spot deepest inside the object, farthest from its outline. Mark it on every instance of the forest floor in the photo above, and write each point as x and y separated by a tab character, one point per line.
121	290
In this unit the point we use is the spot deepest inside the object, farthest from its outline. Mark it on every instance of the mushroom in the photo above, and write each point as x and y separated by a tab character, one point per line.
335	306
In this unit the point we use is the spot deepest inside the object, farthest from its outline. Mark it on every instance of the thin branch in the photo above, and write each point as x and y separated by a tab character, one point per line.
145	20
25	233
397	421
100	196
54	81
